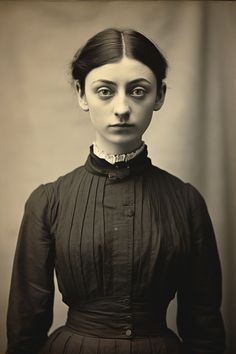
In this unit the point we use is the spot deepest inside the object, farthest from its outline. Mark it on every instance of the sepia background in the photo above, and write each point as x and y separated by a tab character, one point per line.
43	133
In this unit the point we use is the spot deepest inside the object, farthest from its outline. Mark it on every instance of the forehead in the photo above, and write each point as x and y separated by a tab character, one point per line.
125	70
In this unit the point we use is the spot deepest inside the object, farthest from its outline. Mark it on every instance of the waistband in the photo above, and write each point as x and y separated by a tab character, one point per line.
118	318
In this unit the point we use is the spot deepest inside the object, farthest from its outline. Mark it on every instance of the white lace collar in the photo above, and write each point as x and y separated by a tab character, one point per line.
113	159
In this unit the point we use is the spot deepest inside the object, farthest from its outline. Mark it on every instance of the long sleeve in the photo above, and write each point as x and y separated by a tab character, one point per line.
31	296
199	297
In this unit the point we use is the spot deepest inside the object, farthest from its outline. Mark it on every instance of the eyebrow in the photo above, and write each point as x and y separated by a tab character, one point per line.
131	82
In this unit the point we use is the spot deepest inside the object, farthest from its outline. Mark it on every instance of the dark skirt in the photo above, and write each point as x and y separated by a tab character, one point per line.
65	340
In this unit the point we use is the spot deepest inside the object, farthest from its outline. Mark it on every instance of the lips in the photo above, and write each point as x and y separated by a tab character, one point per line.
121	125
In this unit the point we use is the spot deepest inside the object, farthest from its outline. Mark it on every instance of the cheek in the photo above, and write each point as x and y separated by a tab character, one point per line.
146	105
98	107
143	115
144	110
98	116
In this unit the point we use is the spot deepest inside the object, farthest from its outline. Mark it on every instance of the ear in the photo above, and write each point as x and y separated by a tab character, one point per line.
81	97
160	97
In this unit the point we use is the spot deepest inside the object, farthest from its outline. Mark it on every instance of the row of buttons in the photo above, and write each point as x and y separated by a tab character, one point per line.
128	332
129	212
125	300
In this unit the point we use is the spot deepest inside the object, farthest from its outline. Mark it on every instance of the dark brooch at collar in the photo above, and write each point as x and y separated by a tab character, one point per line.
120	170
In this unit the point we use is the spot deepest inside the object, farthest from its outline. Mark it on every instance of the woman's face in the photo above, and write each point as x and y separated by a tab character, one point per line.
121	98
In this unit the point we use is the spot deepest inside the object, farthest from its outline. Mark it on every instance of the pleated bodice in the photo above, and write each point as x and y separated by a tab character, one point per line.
123	239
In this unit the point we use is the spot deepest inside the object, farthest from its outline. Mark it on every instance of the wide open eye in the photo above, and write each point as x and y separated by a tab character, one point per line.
105	92
138	92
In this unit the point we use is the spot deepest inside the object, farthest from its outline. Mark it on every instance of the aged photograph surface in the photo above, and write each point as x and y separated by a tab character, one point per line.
118	165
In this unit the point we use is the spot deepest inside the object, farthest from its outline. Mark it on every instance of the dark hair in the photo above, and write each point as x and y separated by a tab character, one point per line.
110	45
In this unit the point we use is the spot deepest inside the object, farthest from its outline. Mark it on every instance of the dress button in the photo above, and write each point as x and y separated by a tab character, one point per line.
129	212
125	301
128	332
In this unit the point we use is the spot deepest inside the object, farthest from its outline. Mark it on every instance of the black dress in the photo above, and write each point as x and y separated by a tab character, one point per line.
123	240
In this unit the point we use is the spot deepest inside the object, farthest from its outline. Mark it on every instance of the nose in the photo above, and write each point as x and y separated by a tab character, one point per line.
121	106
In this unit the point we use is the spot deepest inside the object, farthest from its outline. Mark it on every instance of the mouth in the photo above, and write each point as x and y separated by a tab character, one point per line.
121	125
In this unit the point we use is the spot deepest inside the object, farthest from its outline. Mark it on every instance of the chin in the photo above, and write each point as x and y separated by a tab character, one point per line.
122	140
126	144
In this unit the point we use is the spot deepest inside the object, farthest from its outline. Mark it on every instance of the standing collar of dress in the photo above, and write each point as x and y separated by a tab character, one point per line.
115	158
135	164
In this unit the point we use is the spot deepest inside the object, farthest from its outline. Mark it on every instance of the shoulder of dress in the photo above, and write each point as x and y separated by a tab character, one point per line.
172	182
46	198
50	191
64	181
167	177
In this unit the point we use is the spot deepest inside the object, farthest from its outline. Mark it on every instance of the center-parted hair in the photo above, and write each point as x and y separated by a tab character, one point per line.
110	46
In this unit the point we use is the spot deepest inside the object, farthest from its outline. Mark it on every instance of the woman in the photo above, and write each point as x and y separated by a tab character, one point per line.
123	235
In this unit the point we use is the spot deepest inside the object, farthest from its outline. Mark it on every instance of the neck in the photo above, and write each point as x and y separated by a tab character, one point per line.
117	149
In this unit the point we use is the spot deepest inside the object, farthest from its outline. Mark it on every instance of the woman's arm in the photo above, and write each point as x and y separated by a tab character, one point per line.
30	310
199	298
